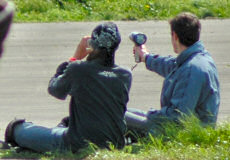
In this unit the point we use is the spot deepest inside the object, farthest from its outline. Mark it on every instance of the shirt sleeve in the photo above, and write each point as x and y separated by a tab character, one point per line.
59	86
159	64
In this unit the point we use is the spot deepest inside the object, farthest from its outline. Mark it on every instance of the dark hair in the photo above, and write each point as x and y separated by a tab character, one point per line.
105	39
187	27
6	18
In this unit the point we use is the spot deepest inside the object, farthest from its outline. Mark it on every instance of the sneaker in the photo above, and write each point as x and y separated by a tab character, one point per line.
9	133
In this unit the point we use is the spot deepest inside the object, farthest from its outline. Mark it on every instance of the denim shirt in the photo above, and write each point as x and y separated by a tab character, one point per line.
191	84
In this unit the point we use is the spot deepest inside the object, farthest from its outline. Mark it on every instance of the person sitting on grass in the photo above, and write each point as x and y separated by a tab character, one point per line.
99	91
191	83
6	16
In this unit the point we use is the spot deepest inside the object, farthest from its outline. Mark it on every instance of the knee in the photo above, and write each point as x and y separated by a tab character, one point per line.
10	129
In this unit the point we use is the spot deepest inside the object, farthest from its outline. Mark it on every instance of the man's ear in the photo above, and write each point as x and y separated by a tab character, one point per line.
174	35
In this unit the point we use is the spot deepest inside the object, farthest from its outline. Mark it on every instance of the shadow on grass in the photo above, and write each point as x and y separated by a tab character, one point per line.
26	154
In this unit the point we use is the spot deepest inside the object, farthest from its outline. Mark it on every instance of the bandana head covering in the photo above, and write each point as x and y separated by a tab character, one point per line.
106	36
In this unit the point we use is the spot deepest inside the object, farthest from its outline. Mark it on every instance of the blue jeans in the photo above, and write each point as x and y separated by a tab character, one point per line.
137	120
144	123
40	139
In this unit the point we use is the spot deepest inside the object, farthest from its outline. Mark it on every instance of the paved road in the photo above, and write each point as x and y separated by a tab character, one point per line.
33	52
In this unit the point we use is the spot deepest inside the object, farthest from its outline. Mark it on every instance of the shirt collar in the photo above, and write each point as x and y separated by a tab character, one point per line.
195	48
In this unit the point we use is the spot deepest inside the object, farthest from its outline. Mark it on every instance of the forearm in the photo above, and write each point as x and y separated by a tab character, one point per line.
55	90
159	64
59	83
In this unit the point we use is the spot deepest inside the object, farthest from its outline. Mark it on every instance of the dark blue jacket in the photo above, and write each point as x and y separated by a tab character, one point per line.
99	96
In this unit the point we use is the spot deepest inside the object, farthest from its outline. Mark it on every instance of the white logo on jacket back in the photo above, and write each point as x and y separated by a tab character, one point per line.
107	74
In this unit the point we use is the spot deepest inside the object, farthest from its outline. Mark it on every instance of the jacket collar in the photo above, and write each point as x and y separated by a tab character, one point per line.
195	48
97	60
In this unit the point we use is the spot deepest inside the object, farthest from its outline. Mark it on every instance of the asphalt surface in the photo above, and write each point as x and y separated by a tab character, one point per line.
33	51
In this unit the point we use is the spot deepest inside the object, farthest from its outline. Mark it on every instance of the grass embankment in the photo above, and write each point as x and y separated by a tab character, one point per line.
95	10
193	142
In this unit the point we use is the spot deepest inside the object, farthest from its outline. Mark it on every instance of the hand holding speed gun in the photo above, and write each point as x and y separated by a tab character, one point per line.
138	39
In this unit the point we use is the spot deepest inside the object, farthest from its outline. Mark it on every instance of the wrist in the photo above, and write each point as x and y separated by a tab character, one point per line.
72	59
143	58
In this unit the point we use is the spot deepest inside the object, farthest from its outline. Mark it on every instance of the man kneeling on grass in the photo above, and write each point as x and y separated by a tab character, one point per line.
99	91
191	84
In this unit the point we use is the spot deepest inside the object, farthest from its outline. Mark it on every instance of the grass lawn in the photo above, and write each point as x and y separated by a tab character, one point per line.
97	10
193	142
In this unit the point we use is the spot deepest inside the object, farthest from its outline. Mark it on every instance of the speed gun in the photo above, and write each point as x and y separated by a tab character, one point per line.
138	39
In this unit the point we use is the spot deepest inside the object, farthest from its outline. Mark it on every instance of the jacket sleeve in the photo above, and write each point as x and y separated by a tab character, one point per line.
159	64
128	84
60	83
